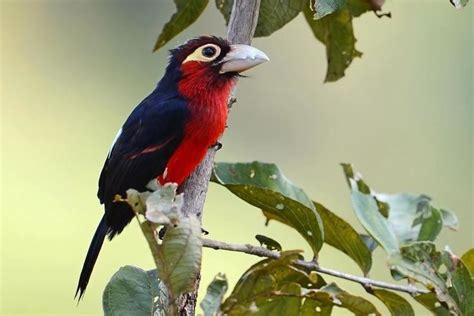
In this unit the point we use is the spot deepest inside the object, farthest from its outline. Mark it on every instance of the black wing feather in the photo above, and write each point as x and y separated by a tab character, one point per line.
154	122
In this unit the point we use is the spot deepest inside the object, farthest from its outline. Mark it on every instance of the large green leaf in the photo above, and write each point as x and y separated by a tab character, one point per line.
413	218
336	33
339	234
367	210
179	256
132	291
403	218
397	305
274	14
322	8
215	293
264	186
187	11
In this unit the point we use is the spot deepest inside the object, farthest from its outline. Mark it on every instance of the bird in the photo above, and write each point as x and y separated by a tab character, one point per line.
167	134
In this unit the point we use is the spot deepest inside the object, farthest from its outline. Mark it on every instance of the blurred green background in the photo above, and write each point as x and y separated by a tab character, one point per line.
72	71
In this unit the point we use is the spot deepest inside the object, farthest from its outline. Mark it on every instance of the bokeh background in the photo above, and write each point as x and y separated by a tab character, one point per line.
71	71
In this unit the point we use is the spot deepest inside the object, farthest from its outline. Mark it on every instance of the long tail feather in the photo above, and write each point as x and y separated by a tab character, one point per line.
92	254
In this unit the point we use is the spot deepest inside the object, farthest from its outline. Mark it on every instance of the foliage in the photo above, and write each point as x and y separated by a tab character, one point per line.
177	256
329	20
132	291
286	283
264	186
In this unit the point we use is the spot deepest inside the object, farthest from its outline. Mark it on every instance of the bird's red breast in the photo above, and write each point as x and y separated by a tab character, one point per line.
208	94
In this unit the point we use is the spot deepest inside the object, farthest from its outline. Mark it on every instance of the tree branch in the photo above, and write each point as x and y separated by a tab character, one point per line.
242	24
264	252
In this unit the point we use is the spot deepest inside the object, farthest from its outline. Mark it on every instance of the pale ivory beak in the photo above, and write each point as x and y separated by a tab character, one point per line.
242	57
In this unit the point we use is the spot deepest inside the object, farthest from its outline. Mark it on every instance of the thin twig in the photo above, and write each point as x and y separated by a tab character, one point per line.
264	252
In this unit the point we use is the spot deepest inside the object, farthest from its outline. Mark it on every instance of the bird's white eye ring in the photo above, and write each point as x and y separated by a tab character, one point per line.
209	51
205	53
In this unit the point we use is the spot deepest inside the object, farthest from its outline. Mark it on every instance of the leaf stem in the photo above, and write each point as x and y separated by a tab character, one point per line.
312	265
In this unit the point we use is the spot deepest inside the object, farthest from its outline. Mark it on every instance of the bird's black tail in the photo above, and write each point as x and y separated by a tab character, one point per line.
91	257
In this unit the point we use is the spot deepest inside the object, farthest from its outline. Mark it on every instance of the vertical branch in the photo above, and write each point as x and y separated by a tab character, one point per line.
242	24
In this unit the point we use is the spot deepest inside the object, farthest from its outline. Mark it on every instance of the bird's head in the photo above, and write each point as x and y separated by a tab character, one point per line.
210	62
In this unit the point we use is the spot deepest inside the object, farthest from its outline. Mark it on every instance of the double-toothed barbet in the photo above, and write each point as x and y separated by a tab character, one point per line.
168	134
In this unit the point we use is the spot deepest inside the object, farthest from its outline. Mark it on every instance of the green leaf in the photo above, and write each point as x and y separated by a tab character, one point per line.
367	211
412	217
214	295
179	256
187	11
336	33
459	4
264	186
324	7
269	243
407	217
397	305
468	260
339	234
430	301
132	291
273	14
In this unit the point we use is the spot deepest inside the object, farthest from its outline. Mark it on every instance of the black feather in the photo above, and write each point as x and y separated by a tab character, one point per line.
91	257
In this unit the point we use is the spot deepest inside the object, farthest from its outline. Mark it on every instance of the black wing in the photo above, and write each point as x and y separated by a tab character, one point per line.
140	153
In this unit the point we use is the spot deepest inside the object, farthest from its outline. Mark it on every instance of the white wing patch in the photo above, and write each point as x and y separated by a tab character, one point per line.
114	141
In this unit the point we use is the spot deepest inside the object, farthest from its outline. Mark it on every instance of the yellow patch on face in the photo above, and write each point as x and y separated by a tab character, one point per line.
205	53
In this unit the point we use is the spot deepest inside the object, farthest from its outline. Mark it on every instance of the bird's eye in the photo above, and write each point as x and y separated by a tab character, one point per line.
209	51
205	53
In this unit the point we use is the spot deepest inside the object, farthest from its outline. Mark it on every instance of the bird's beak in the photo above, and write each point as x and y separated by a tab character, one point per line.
242	57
